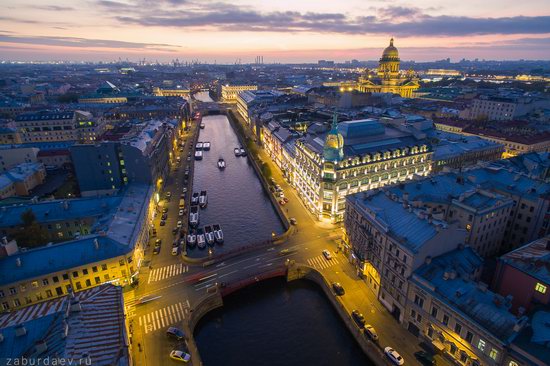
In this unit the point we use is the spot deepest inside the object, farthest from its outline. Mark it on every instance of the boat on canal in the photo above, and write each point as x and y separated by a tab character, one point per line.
198	155
201	241
202	126
237	151
209	234
191	239
194	216
203	199
195	198
218	233
221	164
242	152
206	145
199	146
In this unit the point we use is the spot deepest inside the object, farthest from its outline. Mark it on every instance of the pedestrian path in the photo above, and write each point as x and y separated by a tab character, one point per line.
159	274
164	317
320	262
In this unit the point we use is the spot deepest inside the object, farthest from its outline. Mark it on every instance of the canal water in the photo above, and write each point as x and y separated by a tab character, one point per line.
236	199
277	323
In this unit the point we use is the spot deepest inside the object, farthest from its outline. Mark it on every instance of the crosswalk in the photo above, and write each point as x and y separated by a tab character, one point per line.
164	317
320	262
159	274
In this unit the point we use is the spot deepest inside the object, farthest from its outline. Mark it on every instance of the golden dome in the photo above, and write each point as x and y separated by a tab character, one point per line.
390	52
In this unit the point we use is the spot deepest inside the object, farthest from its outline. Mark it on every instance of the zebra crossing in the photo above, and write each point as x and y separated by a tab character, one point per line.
320	262
159	274
164	317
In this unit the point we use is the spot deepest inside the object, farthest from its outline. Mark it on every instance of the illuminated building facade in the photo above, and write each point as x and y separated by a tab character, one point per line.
354	156
388	78
230	93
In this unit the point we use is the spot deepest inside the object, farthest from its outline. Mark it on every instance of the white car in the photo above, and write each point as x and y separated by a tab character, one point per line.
168	194
327	255
175	250
394	356
180	356
184	190
179	224
180	213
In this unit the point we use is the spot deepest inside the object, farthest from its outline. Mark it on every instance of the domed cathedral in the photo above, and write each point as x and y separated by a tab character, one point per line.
388	79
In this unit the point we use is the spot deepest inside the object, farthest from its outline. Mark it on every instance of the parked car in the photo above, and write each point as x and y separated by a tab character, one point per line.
180	213
184	190
175	250
338	289
156	250
371	332
181	356
179	224
175	333
165	210
168	194
162	222
425	358
327	254
293	221
164	216
174	231
394	356
158	242
282	202
358	318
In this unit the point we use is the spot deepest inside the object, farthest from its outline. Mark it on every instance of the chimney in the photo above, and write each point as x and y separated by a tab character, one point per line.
428	260
96	244
5	240
40	347
75	306
1	338
18	262
482	286
20	330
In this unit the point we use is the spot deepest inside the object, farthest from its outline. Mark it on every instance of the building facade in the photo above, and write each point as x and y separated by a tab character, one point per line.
229	93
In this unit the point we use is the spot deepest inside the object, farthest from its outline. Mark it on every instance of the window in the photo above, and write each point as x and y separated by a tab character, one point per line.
458	328
493	354
103	267
78	285
1	293
65	276
418	300
121	262
94	269
469	337
88	283
85	271
434	312
97	280
16	302
75	274
55	279
539	287
481	345
5	306
45	282
49	293
13	291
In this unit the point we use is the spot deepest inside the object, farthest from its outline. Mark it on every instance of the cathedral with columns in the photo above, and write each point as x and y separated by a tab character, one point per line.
388	78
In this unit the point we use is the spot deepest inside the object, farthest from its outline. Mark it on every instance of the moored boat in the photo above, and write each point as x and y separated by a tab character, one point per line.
202	126
221	163
201	241
195	198
209	234
199	146
191	240
237	151
198	155
194	216
203	199
206	145
242	152
218	233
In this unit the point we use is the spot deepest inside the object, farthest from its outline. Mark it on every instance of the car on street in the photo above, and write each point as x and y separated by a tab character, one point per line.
371	332
180	213
282	202
179	224
158	242
358	318
162	222
175	333
165	210
285	199
168	194
182	242
425	358
293	221
175	250
174	231
156	250
181	356
281	194
338	289
164	216
327	254
394	357
188	158
184	190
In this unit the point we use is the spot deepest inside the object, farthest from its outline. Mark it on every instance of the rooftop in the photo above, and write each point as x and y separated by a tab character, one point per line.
451	280
532	258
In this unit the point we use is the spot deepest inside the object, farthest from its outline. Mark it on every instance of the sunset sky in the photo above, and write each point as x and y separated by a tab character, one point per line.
280	30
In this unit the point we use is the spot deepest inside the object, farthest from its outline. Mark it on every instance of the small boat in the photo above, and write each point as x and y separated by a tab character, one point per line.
210	239
203	199
221	163
201	241
242	152
206	145
202	126
237	151
199	146
195	198
198	155
218	233
194	216
191	240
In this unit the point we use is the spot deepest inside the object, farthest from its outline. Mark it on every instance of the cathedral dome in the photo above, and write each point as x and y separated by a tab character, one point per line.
334	143
390	52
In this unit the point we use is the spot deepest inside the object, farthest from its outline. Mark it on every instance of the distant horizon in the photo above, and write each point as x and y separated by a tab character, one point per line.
283	32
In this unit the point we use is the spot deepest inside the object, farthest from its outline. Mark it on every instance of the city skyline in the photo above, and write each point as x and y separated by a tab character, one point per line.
226	32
